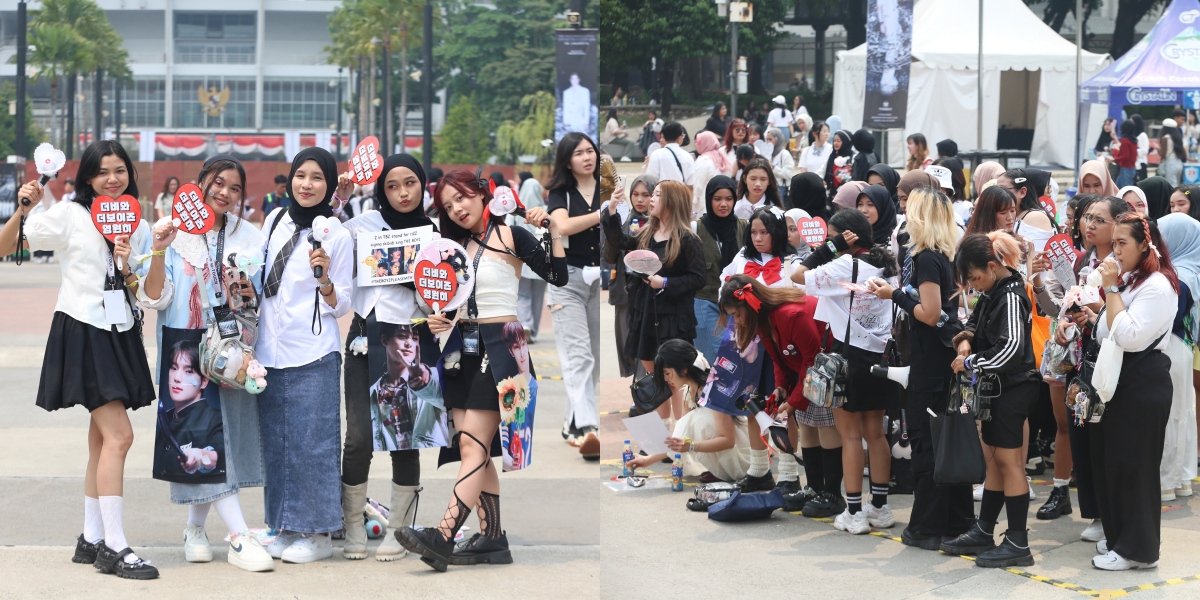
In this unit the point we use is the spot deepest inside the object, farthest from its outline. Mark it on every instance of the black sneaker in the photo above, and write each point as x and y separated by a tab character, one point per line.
85	553
825	505
1057	505
570	431
1035	466
482	550
795	502
110	562
750	483
972	542
434	549
919	540
1012	552
788	487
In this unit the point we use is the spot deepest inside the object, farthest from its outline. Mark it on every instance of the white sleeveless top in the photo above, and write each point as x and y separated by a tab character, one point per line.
496	284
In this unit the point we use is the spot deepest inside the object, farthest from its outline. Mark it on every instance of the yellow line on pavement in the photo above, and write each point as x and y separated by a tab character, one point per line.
549	377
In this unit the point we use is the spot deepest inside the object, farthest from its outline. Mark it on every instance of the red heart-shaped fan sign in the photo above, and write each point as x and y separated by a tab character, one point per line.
116	217
812	230
366	164
189	212
1048	204
436	283
1061	247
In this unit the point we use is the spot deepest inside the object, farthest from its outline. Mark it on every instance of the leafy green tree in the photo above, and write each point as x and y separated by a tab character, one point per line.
8	138
462	141
57	50
524	137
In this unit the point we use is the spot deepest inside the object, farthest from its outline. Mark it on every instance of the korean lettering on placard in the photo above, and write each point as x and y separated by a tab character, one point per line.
191	211
364	162
435	284
116	218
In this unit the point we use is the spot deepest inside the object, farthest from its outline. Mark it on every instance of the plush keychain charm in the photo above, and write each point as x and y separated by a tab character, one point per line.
256	377
359	345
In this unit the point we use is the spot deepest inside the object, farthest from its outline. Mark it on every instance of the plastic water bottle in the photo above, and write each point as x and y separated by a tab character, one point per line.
677	474
626	456
916	295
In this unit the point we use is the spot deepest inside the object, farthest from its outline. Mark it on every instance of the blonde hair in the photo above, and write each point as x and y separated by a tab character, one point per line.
930	222
677	203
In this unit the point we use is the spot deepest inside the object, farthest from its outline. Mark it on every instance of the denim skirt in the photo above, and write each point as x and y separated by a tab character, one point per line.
300	418
243	454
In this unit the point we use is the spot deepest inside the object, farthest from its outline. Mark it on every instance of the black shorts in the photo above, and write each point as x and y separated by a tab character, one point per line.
1009	412
865	391
472	389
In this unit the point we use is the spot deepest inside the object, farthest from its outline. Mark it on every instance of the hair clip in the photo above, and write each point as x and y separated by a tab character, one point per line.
746	294
701	362
775	210
1020	180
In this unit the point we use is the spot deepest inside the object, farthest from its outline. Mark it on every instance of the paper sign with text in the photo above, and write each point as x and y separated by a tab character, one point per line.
1060	249
389	257
116	217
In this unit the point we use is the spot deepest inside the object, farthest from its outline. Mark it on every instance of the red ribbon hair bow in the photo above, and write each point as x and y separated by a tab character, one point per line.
746	294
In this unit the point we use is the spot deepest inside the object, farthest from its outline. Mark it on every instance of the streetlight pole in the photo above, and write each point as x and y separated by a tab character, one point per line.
733	67
99	104
339	114
386	109
979	86
22	49
1078	79
427	88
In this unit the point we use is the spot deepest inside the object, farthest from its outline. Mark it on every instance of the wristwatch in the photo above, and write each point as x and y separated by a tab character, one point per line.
1112	289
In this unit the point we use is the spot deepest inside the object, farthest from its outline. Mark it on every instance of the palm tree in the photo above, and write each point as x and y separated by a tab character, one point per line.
58	49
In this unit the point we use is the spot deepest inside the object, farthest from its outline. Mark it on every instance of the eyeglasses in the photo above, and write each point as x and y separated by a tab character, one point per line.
1094	220
741	129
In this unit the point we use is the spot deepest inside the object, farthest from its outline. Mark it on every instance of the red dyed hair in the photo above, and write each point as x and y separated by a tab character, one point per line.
727	143
1143	230
467	184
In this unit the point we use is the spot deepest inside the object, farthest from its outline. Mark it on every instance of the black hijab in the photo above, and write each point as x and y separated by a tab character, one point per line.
807	192
890	179
724	229
947	147
847	150
881	230
394	218
1158	196
303	216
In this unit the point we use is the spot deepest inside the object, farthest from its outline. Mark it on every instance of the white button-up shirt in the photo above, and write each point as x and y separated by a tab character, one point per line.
392	303
285	321
662	165
1149	312
82	253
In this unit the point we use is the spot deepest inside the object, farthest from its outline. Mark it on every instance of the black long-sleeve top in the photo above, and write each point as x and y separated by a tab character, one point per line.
999	329
685	276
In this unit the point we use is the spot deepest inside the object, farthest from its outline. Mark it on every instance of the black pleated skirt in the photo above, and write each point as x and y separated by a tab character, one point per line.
90	367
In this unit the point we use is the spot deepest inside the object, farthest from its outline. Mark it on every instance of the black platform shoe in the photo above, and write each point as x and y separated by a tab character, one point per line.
825	505
1012	552
975	541
434	549
788	487
796	502
110	562
85	553
908	537
482	550
750	483
1057	505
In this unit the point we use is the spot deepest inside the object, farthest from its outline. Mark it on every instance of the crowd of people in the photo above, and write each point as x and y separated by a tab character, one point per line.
951	275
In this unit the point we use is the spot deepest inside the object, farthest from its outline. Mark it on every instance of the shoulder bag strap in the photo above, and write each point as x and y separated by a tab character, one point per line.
677	163
850	307
267	249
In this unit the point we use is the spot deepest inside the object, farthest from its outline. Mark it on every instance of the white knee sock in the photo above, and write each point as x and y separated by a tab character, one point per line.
114	531
789	470
230	510
93	523
198	514
760	464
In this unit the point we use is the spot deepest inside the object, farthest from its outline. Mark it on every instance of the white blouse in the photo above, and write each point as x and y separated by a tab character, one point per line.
1149	312
745	208
786	267
391	303
285	321
784	167
67	229
871	327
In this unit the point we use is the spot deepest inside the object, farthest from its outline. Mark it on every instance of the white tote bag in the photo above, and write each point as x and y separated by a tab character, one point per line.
1108	363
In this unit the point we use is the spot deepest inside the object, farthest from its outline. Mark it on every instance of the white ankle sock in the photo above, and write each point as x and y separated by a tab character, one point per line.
230	510
760	464
1061	482
789	470
93	523
198	514
114	531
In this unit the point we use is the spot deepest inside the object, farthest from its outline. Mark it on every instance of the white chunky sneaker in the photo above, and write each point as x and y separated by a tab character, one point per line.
246	552
281	543
195	545
853	523
1094	532
309	548
880	517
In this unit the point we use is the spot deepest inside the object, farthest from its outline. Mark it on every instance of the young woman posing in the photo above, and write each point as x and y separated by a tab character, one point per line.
757	188
1141	291
939	512
172	285
500	252
855	258
89	360
402	185
298	344
661	305
722	235
996	344
716	441
640	192
574	203
814	157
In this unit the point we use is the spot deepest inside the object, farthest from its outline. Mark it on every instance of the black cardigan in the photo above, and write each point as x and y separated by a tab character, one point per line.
673	305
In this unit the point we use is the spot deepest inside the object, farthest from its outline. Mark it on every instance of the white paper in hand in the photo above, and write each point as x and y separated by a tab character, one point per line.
649	432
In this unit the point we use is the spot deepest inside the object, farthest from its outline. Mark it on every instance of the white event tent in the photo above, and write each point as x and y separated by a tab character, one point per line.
1036	64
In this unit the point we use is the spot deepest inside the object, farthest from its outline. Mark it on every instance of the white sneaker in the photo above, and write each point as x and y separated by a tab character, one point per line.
248	554
1032	494
309	548
1185	490
281	543
1111	561
1094	532
854	523
1102	547
880	517
1168	495
978	493
195	545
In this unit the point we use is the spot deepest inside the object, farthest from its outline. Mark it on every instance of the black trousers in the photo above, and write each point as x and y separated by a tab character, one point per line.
1081	457
1127	447
946	511
359	446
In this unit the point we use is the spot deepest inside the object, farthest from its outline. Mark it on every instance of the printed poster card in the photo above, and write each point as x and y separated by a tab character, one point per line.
407	406
389	257
189	438
734	372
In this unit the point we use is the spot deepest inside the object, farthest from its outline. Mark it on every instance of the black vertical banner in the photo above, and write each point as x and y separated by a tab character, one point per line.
575	83
889	55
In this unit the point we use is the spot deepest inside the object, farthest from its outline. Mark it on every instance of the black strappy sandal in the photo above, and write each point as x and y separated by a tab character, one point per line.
110	562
